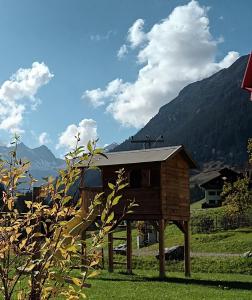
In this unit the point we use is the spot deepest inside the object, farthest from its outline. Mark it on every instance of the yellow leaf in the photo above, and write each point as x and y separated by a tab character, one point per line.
23	242
28	230
28	204
111	217
83	296
76	281
5	179
116	200
93	274
72	248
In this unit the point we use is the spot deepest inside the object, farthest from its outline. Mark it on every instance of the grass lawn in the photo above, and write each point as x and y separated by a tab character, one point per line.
197	204
213	277
235	241
144	285
229	241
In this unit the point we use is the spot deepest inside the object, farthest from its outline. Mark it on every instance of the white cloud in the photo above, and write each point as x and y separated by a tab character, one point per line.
13	118
122	51
136	36
17	95
100	37
96	97
228	59
176	51
44	138
87	128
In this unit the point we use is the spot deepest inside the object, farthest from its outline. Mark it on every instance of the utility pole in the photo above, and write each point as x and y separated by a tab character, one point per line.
148	141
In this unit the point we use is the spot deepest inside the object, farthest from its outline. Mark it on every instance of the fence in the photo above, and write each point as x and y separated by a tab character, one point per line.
208	224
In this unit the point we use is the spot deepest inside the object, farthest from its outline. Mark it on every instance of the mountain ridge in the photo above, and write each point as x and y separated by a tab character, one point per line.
211	117
43	161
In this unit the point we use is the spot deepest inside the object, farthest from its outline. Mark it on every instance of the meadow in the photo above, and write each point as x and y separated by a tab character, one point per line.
144	285
218	269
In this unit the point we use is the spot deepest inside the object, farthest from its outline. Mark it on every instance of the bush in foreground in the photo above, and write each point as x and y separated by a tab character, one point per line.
43	244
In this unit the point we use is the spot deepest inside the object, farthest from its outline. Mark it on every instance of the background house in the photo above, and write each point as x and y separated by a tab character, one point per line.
213	186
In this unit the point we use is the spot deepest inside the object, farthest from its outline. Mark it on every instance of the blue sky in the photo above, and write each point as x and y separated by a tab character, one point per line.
79	82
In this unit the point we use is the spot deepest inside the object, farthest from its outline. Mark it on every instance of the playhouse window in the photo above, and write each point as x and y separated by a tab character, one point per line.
92	178
136	178
155	177
145	177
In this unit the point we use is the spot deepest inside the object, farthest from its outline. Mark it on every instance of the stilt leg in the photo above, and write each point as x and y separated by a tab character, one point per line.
129	248
187	249
110	253
161	249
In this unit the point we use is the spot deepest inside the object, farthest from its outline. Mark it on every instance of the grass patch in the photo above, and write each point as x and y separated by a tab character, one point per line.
145	285
232	265
235	241
197	204
230	241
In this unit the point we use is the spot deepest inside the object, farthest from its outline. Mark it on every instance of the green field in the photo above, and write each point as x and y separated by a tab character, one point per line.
214	276
197	204
229	241
144	285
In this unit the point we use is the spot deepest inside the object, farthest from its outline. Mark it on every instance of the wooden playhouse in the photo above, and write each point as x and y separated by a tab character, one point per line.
159	183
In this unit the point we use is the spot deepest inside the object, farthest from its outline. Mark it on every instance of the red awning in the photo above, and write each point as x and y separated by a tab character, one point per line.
247	79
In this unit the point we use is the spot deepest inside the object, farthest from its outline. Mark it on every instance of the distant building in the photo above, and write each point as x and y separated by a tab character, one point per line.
214	185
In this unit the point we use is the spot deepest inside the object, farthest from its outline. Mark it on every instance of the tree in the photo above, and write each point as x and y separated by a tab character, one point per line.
237	196
39	249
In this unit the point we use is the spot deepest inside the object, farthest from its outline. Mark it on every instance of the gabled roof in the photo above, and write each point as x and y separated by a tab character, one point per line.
219	176
142	156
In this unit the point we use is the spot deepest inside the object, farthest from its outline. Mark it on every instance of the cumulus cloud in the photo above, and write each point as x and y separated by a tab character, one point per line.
228	59
18	94
122	51
97	97
136	35
44	138
178	50
87	128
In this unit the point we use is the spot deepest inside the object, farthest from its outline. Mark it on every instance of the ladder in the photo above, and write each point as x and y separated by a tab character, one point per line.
128	239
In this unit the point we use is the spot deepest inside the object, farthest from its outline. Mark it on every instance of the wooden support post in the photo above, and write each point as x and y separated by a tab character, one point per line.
110	252
83	251
102	260
161	249
129	248
187	249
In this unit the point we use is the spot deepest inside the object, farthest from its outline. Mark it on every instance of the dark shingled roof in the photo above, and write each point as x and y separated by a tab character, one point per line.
141	156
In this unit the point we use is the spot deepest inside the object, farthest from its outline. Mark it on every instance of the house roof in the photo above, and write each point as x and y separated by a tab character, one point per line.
222	174
142	156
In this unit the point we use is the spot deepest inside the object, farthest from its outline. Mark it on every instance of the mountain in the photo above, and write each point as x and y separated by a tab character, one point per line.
211	117
43	162
110	147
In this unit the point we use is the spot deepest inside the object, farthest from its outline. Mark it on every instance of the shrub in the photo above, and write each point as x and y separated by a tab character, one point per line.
203	224
41	246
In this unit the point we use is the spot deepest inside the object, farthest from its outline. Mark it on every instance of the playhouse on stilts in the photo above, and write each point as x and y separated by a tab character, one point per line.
159	184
